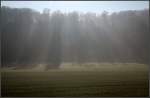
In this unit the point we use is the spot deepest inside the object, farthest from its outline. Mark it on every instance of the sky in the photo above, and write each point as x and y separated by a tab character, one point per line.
81	6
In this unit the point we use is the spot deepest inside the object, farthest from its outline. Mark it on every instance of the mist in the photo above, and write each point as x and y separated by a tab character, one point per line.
53	38
93	51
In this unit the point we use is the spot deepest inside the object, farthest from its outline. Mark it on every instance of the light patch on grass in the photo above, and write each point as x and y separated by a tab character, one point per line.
87	67
104	66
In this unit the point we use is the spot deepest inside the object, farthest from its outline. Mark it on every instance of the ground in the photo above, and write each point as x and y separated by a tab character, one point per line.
100	80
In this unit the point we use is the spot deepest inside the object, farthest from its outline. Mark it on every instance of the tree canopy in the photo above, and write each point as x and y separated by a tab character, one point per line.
30	37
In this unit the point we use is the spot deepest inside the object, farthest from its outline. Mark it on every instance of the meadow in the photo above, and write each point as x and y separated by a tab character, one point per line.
91	80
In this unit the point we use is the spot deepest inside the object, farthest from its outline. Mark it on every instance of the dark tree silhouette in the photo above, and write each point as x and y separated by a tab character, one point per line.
30	38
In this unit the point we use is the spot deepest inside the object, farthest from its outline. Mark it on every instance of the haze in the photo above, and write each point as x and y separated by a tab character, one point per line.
80	6
75	48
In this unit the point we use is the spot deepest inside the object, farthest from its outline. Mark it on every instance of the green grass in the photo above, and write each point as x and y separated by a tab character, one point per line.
130	80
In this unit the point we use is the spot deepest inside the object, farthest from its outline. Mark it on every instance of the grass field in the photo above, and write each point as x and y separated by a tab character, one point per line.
109	80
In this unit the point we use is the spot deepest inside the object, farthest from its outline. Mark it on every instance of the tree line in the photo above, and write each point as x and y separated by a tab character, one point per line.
30	37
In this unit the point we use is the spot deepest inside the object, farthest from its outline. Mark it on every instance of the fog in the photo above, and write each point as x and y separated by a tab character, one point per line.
30	38
81	49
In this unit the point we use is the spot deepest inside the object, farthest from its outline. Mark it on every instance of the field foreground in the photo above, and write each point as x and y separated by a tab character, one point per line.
130	80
